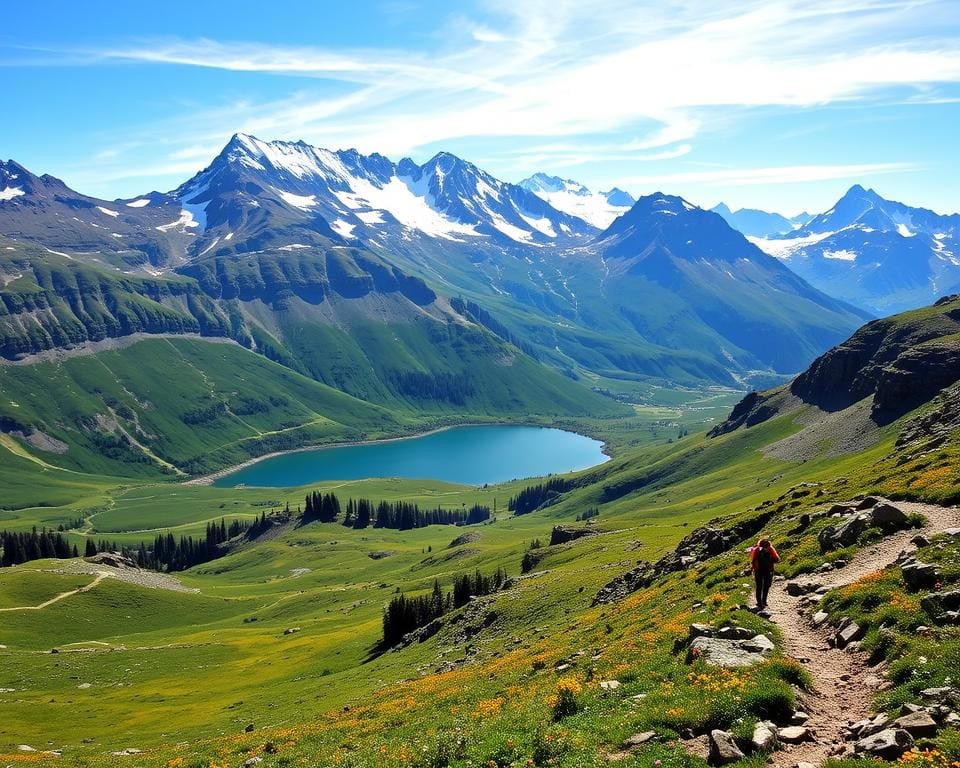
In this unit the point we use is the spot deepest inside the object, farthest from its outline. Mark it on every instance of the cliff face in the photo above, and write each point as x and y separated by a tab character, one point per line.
901	362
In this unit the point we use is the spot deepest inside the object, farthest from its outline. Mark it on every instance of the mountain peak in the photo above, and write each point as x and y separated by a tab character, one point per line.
569	196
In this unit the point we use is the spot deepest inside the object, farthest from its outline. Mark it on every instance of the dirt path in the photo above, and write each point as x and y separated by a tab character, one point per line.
100	577
844	686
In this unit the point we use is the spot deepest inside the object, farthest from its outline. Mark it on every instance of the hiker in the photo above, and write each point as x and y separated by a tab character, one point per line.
763	558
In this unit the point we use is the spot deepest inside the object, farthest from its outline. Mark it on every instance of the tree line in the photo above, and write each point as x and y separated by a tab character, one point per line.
399	515
533	497
405	614
20	547
167	553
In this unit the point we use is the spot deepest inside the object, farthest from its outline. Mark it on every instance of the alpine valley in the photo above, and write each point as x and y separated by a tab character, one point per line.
750	375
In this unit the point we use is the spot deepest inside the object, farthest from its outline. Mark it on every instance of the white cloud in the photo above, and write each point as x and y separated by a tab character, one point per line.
567	71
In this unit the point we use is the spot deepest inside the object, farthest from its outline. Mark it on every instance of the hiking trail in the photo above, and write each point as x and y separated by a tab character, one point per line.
843	684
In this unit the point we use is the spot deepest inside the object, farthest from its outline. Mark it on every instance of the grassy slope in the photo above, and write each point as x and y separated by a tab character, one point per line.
290	681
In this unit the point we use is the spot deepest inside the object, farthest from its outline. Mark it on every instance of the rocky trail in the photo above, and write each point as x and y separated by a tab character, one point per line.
843	683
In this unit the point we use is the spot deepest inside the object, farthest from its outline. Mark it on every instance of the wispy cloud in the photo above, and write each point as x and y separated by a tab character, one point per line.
557	72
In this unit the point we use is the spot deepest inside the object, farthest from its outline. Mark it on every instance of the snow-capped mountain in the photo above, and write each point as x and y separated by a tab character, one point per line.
45	211
757	223
596	208
255	185
879	254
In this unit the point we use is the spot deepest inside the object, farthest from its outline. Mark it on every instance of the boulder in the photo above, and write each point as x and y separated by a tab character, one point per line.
639	738
722	653
917	724
562	534
848	634
609	685
920	575
764	736
758	644
940	695
888	744
734	633
937	602
700	630
291	630
799	718
819	618
868	502
888	514
794	734
920	541
723	748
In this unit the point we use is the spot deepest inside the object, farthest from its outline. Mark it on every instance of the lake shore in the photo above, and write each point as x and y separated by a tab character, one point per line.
211	478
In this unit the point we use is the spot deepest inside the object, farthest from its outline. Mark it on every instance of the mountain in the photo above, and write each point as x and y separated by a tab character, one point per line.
596	208
705	287
266	192
886	369
45	211
317	259
757	223
879	254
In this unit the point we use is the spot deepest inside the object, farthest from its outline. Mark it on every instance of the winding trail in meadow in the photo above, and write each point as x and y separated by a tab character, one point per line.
100	577
843	684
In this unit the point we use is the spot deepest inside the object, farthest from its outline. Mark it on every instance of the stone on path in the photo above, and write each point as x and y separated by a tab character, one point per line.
764	736
888	744
639	738
794	734
723	748
917	724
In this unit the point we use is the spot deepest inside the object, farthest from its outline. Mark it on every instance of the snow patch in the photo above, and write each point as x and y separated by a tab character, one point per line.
293	247
514	233
370	217
141	203
303	202
841	255
228	237
541	225
342	228
8	193
186	220
903	231
107	211
785	248
587	206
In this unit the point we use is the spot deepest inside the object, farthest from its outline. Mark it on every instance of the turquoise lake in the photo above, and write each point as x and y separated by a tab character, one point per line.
470	455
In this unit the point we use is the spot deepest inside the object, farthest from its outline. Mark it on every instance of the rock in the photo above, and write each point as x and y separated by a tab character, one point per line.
734	633
609	685
764	737
868	502
888	514
126	752
920	576
849	634
799	718
700	630
952	720
83	686
937	603
249	728
562	534
917	724
920	541
639	738
794	589
844	508
819	618
291	630
888	744
25	748
951	532
794	734
806	765
723	748
722	653
252	761
758	644
562	667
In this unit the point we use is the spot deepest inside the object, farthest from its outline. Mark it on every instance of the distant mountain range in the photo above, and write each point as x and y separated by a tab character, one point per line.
757	223
318	259
596	208
875	253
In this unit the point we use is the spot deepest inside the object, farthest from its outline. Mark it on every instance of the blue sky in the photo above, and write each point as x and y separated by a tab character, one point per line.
778	105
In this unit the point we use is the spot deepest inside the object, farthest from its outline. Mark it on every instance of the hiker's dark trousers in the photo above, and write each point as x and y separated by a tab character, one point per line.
763	580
